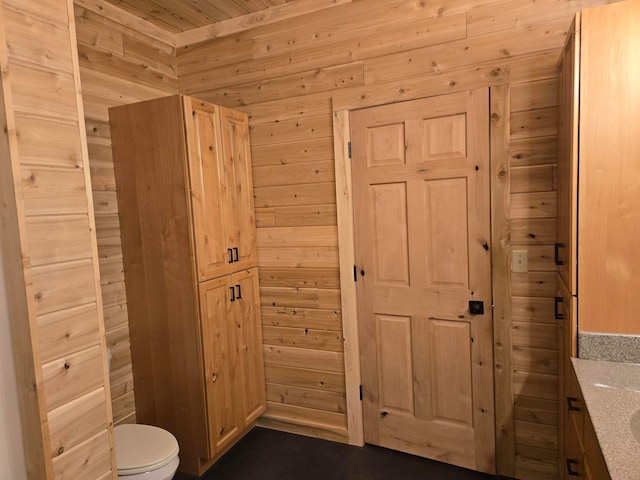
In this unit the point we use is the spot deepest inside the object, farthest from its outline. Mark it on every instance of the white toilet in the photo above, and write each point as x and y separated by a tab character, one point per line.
144	452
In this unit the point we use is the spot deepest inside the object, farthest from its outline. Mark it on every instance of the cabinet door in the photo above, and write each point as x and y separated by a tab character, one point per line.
219	352
237	160
209	185
250	386
566	247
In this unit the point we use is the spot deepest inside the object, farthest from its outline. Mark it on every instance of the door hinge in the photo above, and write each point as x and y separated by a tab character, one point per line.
361	392
349	149
355	274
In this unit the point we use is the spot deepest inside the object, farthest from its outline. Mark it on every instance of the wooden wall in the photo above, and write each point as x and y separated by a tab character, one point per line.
49	246
289	77
122	60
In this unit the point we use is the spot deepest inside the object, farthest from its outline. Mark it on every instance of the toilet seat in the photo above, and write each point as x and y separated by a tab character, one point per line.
143	448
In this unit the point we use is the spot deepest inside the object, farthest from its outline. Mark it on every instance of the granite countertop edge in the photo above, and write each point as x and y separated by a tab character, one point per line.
611	392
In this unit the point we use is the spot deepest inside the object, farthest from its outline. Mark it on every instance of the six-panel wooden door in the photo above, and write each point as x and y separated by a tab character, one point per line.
422	231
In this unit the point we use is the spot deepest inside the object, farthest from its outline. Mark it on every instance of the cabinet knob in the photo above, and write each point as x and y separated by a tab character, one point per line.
214	377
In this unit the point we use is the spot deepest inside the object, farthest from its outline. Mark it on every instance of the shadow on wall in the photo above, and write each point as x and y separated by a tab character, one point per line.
12	462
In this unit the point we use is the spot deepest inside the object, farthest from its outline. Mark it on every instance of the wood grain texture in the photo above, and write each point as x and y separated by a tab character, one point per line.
112	71
119	40
506	42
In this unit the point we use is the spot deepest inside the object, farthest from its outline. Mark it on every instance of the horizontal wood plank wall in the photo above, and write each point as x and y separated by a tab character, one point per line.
289	77
534	330
118	65
59	333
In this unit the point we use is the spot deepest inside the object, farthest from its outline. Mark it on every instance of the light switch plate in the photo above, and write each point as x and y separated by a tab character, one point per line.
519	261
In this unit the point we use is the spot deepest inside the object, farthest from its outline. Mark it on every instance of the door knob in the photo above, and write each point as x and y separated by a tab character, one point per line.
476	307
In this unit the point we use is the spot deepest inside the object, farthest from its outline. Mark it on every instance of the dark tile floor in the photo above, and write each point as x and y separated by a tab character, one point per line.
271	455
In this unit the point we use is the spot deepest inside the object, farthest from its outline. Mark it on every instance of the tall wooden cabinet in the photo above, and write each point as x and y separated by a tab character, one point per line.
598	185
185	198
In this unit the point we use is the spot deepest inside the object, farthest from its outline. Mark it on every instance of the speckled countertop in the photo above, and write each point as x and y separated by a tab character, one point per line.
611	393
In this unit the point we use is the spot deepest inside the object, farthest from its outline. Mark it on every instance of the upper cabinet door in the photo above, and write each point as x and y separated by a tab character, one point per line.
566	248
237	164
209	184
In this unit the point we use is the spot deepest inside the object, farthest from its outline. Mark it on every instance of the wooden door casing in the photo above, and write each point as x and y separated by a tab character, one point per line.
422	230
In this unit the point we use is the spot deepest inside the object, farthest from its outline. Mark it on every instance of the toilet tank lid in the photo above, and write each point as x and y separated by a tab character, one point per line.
140	448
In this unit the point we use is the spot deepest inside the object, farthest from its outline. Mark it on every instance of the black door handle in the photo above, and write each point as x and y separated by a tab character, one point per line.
556	253
230	250
235	254
233	294
238	292
556	311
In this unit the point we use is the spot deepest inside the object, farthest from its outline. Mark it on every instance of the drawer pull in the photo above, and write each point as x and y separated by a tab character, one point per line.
570	406
556	253
570	471
556	311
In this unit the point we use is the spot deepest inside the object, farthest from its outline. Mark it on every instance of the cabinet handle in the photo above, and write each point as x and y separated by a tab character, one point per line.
556	312
570	471
214	377
556	253
238	293
235	254
230	250
570	406
233	294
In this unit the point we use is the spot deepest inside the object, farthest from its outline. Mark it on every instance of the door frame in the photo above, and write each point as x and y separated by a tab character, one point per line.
499	97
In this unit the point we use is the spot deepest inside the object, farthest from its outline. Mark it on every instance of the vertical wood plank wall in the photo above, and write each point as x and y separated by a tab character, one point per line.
50	246
119	64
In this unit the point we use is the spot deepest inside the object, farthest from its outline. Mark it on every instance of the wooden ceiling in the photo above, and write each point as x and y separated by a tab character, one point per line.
177	16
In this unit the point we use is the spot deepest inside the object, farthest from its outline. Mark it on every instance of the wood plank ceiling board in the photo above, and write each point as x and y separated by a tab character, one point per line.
183	15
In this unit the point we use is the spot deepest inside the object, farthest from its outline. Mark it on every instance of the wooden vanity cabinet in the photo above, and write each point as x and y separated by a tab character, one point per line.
583	458
185	197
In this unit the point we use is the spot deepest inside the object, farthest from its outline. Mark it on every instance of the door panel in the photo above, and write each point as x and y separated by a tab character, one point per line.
208	183
395	373
421	214
250	379
237	161
445	222
389	219
218	338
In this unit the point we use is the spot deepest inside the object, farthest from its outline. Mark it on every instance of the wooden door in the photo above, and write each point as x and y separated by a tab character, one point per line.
220	365
421	206
209	185
250	386
237	159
